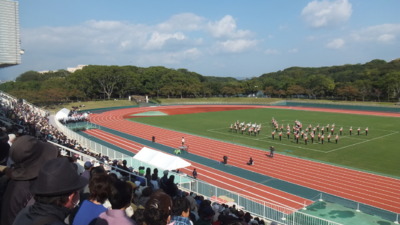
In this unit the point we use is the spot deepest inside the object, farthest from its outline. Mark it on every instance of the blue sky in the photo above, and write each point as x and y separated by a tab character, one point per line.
234	38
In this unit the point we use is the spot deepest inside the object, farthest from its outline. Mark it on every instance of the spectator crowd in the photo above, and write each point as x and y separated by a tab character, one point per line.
38	185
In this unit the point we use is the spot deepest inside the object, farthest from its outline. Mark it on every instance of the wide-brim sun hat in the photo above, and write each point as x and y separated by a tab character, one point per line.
29	154
57	177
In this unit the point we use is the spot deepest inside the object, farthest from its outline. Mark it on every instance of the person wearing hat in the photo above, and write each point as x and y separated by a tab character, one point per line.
88	166
28	154
56	192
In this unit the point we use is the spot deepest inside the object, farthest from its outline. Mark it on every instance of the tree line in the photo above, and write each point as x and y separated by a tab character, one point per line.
377	80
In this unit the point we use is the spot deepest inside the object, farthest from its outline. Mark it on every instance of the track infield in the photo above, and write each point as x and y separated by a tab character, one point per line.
368	188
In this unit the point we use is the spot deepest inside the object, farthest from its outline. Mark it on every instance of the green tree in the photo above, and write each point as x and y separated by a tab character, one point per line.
29	76
392	81
319	85
295	90
364	87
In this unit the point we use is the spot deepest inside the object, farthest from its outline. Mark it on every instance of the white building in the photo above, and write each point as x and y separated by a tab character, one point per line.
73	69
10	43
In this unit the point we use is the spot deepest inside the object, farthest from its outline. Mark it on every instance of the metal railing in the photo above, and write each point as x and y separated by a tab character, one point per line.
272	212
269	211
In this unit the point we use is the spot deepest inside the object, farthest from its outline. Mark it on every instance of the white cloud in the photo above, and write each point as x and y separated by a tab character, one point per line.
385	33
326	13
293	50
158	40
184	21
168	58
183	38
236	46
226	28
336	43
271	52
386	38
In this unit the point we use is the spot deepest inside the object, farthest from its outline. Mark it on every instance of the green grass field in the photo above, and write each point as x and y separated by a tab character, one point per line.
378	152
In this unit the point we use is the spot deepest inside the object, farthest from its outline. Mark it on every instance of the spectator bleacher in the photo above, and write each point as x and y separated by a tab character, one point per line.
21	118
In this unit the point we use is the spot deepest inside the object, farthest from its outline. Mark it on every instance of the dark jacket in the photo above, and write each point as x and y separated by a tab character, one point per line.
42	214
16	197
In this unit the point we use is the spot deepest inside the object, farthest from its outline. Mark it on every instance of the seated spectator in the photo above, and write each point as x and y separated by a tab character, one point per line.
154	183
87	166
56	192
141	180
133	207
206	214
158	209
120	198
99	187
4	148
193	203
217	210
138	216
144	197
155	171
85	193
180	211
164	180
29	155
11	140
171	188
148	175
124	169
80	168
247	217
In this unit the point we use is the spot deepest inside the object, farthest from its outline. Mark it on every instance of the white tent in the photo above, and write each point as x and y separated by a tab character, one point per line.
160	160
63	113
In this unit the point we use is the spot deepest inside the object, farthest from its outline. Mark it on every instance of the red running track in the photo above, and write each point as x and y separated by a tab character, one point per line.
371	189
218	178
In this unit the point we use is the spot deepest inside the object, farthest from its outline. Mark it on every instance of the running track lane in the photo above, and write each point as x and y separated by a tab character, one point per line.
218	178
379	191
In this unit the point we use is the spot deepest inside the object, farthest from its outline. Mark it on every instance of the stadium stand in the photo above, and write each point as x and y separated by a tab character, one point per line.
110	181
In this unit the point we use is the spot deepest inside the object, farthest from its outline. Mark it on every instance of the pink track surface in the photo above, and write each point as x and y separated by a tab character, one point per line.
218	178
378	191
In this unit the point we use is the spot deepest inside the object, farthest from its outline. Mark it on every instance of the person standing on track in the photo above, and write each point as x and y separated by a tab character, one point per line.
194	173
271	151
183	141
250	162
225	159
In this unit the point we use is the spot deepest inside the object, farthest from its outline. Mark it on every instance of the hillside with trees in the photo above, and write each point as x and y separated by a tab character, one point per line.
377	80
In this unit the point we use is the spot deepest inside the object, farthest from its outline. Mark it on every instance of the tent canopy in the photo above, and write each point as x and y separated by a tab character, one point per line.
63	113
160	160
